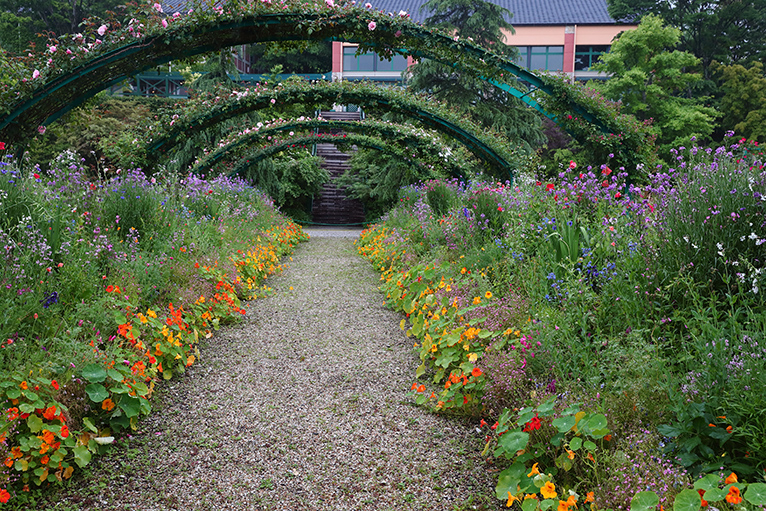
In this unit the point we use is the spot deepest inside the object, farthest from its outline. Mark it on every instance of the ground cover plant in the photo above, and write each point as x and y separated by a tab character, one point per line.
109	284
608	337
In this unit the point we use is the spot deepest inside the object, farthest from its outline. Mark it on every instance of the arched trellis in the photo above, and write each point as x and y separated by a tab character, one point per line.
367	141
408	139
240	22
484	146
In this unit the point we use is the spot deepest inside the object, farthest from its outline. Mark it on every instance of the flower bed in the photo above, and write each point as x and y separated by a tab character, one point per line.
109	287
610	333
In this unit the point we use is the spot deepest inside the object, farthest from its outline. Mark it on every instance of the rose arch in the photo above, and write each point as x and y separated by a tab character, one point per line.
402	140
196	115
70	70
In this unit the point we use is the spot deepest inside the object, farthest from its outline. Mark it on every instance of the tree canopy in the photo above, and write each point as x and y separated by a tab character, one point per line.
652	81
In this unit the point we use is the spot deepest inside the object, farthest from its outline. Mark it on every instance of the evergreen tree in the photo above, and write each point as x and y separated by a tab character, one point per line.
483	22
743	100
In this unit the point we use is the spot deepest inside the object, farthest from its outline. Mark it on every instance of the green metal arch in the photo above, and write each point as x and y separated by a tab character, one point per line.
359	140
393	134
370	97
392	35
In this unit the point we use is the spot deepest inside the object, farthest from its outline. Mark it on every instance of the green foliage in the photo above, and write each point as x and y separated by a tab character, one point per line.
743	101
653	83
483	23
309	57
376	179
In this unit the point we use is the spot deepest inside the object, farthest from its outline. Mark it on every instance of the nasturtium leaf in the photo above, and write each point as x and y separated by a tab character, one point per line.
529	505
120	318
715	494
546	504
644	501
13	393
589	445
420	371
564	424
597	421
756	494
575	443
34	423
31	395
94	373
81	455
708	482
96	392
88	423
130	405
26	408
509	479
167	374
115	374
547	407
513	441
687	500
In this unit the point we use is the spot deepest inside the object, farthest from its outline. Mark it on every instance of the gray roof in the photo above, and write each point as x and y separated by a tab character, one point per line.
525	12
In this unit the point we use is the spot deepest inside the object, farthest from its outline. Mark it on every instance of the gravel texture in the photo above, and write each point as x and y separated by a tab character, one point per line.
303	406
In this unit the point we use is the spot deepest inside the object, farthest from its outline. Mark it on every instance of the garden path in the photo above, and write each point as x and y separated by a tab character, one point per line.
300	407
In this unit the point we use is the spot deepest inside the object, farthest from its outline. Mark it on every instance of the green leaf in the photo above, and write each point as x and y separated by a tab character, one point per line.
546	408
31	395
715	494
687	500
89	424
81	455
130	405
708	482
597	421
26	408
96	392
420	370
509	479
575	443
513	441
529	505
120	318
115	374
167	374
34	423
589	445
94	373
546	504
564	424
13	394
644	501
756	494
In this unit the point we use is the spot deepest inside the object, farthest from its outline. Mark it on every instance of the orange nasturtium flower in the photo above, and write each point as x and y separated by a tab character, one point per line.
511	500
702	497
23	385
590	497
534	471
733	496
563	506
476	372
570	454
549	490
731	479
107	405
488	295
55	384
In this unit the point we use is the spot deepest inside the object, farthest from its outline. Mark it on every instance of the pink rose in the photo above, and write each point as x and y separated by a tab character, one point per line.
35	74
102	30
371	25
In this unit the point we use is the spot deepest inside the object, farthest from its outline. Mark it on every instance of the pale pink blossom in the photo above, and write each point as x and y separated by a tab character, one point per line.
165	23
368	5
35	74
371	25
330	3
158	7
102	30
52	48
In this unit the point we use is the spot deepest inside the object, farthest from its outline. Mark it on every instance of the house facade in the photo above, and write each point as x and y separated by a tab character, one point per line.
559	36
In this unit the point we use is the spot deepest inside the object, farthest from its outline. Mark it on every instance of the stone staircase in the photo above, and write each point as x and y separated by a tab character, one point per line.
332	206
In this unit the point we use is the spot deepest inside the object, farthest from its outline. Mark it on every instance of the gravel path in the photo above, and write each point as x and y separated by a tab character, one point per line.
301	407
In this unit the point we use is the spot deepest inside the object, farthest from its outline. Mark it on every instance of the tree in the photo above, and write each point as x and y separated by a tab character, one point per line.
727	31
22	20
299	57
483	22
652	81
743	101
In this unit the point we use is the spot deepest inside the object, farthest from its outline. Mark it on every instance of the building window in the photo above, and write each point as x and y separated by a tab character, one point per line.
586	56
371	61
548	58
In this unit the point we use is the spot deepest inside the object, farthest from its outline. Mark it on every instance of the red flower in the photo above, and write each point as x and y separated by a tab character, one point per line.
702	496
617	195
64	431
549	186
476	372
2	146
606	171
50	413
4	495
55	384
109	289
36	175
465	400
533	424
